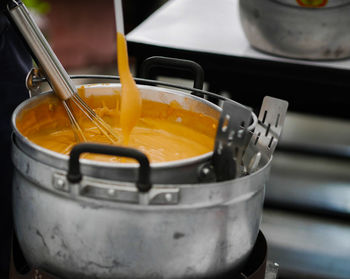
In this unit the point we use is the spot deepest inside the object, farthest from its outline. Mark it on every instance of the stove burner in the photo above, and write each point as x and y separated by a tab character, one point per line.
254	269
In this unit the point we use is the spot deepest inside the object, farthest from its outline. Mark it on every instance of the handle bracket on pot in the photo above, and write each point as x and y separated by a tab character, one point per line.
74	175
34	80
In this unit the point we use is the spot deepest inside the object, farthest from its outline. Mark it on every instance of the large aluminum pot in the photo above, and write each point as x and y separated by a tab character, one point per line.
103	227
315	30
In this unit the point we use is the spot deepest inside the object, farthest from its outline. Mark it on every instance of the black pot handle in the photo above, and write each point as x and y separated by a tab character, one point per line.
143	183
173	63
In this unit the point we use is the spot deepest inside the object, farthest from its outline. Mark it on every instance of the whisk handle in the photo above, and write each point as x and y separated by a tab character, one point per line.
143	183
41	50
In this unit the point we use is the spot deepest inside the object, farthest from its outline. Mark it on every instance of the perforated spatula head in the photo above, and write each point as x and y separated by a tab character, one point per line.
231	140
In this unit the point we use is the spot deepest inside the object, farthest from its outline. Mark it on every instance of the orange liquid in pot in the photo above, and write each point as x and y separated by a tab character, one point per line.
164	132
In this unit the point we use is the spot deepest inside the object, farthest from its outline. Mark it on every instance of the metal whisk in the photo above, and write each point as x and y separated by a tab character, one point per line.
56	75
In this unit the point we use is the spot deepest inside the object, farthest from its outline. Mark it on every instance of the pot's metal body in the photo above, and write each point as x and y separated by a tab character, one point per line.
206	229
102	227
286	28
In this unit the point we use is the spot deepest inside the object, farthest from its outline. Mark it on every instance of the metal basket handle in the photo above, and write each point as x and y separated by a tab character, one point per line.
175	64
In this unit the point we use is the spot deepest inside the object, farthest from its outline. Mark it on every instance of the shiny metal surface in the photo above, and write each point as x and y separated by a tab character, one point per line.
271	117
271	120
271	270
306	218
212	227
232	138
306	246
58	77
285	29
102	228
32	83
302	180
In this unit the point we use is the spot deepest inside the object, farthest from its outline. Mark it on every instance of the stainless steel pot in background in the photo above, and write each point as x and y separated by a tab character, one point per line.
290	28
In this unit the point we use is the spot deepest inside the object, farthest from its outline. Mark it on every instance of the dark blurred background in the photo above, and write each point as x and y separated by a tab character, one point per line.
82	32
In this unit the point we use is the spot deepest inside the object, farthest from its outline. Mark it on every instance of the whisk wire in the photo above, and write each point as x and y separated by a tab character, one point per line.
105	129
78	133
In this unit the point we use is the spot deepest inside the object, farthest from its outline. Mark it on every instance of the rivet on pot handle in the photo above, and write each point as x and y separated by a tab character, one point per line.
143	183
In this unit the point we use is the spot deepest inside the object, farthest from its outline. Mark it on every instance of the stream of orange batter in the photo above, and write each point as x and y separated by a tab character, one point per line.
164	132
130	109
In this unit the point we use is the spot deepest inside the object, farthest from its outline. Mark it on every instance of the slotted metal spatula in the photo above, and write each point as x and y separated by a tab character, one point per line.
231	140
